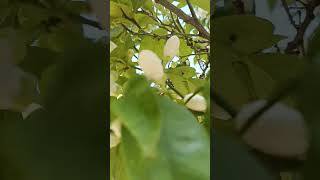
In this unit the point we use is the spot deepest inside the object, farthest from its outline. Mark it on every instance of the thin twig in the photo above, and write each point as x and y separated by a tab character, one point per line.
171	86
83	20
286	8
219	100
299	38
193	14
190	20
195	93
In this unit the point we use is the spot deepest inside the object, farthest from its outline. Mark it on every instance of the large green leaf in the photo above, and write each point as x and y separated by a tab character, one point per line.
232	160
226	80
139	112
314	44
279	66
37	60
252	34
183	150
12	45
67	138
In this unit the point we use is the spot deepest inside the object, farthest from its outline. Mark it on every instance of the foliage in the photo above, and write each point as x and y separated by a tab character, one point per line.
158	59
249	66
54	75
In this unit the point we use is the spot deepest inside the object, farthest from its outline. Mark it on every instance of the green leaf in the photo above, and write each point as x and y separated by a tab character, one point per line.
272	3
13	45
183	71
31	16
116	12
183	150
314	44
77	7
138	3
280	67
37	60
143	20
179	83
67	139
204	4
139	112
184	49
252	34
231	160
153	44
116	31
226	80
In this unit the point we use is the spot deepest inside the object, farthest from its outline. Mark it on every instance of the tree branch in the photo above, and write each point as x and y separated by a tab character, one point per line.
222	103
171	86
301	29
190	20
286	8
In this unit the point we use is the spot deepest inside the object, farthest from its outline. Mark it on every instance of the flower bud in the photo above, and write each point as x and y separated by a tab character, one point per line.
196	103
112	46
171	48
279	131
151	65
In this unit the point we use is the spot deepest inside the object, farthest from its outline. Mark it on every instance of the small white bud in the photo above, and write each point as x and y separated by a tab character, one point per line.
29	109
115	134
196	103
114	140
171	48
113	86
279	131
112	46
151	65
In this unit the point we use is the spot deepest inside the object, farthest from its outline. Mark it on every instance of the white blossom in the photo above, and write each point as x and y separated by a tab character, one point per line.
115	134
151	65
279	131
112	46
29	109
113	84
196	103
171	48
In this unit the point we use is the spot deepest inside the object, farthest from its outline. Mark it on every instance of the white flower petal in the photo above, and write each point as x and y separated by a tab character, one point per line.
113	87
115	134
114	140
280	131
171	48
151	65
112	46
196	103
31	108
116	127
